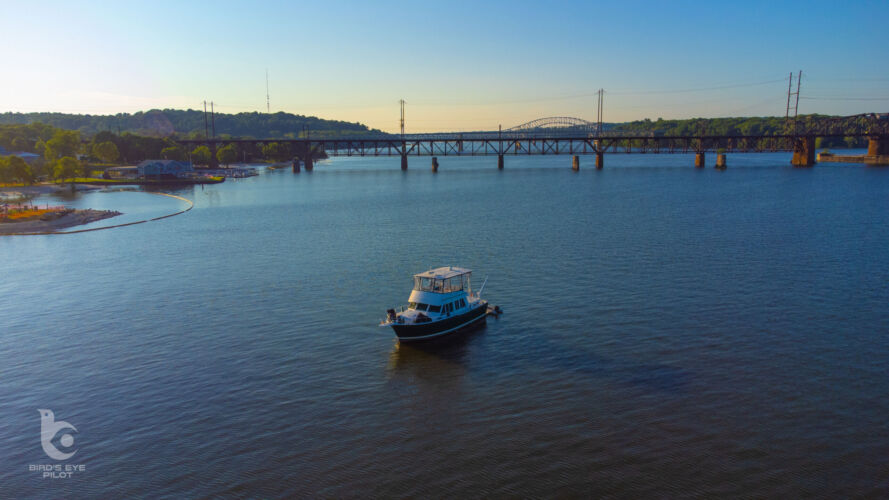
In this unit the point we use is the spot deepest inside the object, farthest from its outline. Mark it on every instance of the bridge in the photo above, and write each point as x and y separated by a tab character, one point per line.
576	137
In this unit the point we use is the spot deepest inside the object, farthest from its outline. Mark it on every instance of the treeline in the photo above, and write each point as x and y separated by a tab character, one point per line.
67	153
190	124
769	125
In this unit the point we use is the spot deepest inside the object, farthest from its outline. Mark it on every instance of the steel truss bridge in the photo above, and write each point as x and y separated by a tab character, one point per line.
560	136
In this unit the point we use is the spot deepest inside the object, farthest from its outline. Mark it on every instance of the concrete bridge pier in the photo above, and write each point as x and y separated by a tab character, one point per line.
803	152
600	160
307	157
295	165
575	163
720	161
699	160
500	162
877	145
434	164
404	162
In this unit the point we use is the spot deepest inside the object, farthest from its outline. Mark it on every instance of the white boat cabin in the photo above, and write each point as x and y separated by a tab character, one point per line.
438	294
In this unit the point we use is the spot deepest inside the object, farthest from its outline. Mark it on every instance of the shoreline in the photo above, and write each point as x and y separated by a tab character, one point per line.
72	217
69	219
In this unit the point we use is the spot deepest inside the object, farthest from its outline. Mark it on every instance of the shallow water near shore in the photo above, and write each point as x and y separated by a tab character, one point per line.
667	332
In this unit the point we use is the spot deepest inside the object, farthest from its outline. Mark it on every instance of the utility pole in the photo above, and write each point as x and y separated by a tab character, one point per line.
206	125
268	107
799	80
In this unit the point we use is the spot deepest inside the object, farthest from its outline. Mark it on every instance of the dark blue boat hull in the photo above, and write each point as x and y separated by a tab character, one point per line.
438	329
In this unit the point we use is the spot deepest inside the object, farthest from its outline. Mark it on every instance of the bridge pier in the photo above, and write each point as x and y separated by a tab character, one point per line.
803	152
404	162
500	161
434	164
699	160
575	163
720	161
600	160
877	145
295	165
307	157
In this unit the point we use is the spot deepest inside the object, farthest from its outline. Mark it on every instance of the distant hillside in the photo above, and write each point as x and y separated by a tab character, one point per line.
190	123
767	125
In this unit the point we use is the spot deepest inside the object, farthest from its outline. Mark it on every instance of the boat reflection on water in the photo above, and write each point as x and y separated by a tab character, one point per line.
434	358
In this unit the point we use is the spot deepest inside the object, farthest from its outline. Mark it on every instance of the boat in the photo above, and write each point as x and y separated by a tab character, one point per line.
440	304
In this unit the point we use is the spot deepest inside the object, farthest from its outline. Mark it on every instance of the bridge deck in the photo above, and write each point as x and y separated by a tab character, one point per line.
488	144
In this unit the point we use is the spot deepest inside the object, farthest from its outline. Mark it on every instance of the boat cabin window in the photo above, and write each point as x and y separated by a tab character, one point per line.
418	306
441	285
434	309
462	302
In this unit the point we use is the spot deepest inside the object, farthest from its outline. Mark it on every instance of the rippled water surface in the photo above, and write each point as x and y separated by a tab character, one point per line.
668	332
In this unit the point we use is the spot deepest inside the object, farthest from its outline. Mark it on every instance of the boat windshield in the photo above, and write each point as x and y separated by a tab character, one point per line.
442	285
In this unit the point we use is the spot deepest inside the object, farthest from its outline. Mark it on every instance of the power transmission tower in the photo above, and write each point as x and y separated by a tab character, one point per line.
791	122
402	118
791	93
600	111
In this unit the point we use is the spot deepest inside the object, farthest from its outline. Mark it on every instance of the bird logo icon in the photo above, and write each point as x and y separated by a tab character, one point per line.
49	429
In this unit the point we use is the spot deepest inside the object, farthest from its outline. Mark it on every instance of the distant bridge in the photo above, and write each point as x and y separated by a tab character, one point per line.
555	122
560	136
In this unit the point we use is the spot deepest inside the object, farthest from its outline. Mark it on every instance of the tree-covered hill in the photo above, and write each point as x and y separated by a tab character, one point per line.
190	123
767	125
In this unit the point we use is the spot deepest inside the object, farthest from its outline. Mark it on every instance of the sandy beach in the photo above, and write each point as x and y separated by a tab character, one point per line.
68	218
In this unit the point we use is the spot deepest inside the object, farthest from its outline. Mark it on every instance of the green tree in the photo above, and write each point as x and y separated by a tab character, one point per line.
106	151
5	170
20	170
227	154
22	144
66	168
63	143
276	151
201	155
174	153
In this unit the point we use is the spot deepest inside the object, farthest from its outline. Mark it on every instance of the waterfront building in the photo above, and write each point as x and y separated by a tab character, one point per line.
153	169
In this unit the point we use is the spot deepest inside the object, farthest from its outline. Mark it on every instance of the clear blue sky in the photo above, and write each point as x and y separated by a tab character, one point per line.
459	65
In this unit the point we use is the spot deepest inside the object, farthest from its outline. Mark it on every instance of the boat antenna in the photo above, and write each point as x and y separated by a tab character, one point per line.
479	294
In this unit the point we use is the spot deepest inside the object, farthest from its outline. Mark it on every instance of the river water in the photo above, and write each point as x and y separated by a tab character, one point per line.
667	332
